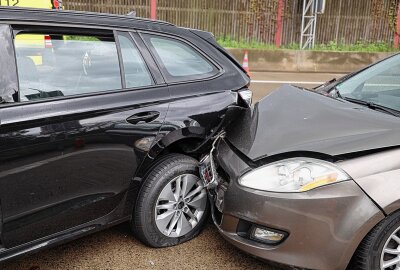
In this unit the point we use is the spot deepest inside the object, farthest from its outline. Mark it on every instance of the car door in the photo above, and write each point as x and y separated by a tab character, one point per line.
88	111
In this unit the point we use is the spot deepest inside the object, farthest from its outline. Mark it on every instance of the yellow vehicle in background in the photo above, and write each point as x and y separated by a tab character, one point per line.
46	4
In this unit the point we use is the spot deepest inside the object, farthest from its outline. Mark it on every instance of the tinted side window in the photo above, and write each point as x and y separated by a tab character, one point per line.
136	72
180	61
51	65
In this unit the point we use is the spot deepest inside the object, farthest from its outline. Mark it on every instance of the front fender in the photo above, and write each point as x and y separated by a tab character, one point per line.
378	175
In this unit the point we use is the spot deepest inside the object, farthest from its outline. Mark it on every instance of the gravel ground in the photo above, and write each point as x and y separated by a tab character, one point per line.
117	249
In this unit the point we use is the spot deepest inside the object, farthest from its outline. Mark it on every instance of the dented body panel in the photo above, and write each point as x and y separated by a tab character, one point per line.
291	119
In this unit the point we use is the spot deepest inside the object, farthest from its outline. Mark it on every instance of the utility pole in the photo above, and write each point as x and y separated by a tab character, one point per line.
153	9
308	24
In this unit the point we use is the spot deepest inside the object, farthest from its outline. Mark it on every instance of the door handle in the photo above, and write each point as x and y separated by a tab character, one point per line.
143	117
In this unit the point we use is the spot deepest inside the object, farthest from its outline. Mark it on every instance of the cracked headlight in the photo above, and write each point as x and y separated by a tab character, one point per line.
293	175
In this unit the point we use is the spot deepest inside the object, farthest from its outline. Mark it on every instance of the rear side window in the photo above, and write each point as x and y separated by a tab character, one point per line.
136	72
179	60
51	65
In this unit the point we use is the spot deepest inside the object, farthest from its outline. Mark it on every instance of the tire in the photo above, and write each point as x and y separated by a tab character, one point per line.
172	205
370	254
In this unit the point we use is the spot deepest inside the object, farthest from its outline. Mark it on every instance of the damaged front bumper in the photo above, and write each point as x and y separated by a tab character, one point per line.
215	185
319	229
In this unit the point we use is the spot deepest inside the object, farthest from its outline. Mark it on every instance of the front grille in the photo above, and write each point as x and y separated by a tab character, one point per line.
243	228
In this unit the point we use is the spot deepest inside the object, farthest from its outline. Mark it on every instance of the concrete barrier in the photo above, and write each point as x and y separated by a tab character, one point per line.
307	61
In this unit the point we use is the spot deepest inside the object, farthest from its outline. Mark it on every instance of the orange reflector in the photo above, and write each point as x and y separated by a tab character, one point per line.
47	42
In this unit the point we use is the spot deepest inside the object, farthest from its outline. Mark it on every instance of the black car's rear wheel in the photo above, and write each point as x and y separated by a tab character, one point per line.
172	205
380	249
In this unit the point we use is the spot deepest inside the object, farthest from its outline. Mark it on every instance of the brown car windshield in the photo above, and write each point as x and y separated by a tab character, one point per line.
376	86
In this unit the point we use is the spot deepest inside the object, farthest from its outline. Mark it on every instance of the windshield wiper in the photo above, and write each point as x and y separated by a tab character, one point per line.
324	85
373	106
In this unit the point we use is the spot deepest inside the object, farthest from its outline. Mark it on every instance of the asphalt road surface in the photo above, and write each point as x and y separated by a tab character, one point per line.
264	83
116	248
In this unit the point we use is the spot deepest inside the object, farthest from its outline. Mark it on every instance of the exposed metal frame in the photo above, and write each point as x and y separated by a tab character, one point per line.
308	24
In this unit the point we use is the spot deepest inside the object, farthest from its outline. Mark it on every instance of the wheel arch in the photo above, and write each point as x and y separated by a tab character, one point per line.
354	259
175	142
182	141
360	236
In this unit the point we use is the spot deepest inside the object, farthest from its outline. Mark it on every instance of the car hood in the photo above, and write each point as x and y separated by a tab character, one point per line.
292	119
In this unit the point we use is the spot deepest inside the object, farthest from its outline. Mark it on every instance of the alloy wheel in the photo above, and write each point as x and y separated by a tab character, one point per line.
390	257
181	205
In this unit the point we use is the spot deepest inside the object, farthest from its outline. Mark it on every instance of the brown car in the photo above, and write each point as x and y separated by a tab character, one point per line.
311	179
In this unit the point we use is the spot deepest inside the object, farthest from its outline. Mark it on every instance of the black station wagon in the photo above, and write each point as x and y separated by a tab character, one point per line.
102	121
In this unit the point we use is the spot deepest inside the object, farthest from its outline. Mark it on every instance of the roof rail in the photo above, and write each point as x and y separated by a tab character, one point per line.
83	14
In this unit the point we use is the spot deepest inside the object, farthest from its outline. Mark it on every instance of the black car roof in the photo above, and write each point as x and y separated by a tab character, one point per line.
15	14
